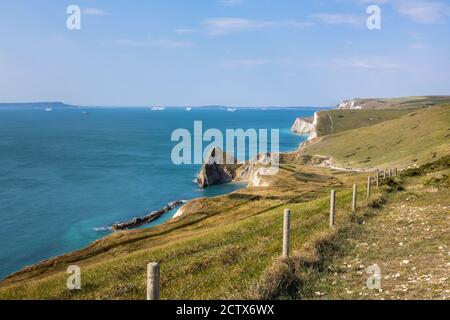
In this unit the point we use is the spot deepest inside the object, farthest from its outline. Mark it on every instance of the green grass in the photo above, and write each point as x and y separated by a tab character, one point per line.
408	239
219	256
229	246
415	138
335	121
402	102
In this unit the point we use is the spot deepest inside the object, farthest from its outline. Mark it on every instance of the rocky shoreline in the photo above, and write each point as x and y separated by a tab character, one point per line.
222	168
137	222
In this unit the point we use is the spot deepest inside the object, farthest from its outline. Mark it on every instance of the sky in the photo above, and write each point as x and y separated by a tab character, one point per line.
222	52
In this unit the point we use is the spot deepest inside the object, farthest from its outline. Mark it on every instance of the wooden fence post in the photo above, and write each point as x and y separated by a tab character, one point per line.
355	191
390	173
153	281
377	177
286	233
369	187
332	207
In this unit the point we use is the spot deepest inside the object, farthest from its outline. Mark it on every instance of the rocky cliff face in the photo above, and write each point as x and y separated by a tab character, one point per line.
251	173
307	127
302	126
219	168
314	133
213	172
258	180
350	105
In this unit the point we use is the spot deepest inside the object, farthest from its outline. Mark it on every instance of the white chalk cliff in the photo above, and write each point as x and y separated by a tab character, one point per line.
305	127
349	105
301	126
314	133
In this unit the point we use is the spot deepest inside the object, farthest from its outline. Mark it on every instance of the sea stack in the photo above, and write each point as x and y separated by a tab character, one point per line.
219	168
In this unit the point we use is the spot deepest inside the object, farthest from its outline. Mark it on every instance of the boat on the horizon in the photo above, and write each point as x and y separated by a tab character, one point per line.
48	109
188	109
158	108
232	109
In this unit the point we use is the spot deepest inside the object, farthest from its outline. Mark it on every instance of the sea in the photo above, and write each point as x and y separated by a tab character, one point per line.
68	174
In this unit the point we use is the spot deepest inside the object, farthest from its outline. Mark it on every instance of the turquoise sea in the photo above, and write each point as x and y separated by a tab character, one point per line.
65	175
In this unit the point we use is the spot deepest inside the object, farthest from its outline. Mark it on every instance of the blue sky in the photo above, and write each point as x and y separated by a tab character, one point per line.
227	52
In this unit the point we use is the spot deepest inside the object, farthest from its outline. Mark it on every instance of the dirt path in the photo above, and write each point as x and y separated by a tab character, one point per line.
331	163
409	240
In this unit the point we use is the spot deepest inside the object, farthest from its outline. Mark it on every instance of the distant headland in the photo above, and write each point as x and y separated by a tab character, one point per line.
36	105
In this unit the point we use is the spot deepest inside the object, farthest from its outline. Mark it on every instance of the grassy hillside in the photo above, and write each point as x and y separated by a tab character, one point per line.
412	253
219	250
335	121
414	138
402	103
229	246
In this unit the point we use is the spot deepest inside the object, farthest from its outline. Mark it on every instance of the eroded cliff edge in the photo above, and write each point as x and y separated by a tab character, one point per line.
219	168
308	126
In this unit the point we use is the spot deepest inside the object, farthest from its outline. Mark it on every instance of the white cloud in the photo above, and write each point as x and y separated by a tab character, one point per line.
420	11
245	63
223	26
186	31
419	46
297	24
426	12
374	1
259	62
231	3
94	12
154	42
371	62
338	19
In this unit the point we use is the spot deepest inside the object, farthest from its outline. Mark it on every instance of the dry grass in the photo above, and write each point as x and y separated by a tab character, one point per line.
216	251
228	247
409	240
295	277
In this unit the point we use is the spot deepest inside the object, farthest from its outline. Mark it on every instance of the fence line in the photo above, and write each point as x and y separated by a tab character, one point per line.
153	281
369	187
286	233
153	269
332	207
377	178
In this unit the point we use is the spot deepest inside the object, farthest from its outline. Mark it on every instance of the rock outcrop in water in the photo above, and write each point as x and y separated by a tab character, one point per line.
137	222
219	168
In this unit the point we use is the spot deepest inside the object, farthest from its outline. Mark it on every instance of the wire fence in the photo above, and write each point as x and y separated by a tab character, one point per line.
295	225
